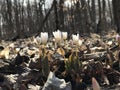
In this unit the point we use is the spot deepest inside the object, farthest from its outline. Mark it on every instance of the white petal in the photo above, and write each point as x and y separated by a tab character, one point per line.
75	38
80	42
57	35
44	37
64	34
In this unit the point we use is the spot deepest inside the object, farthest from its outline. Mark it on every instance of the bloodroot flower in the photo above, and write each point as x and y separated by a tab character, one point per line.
44	37
57	35
64	35
76	40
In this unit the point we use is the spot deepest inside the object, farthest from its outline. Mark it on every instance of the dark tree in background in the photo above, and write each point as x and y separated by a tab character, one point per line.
116	11
56	14
61	14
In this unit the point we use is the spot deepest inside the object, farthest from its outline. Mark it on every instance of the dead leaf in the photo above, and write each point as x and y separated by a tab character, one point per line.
109	43
83	48
61	51
5	53
95	36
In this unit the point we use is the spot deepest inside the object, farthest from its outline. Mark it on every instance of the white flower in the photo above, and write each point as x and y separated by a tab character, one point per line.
57	35
95	84
64	34
80	42
38	39
75	38
44	37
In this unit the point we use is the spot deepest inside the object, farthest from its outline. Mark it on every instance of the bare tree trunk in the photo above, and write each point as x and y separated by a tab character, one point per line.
116	12
103	21
46	16
99	24
16	18
93	15
56	15
29	18
61	15
23	18
85	16
99	6
9	28
104	8
0	21
77	19
110	10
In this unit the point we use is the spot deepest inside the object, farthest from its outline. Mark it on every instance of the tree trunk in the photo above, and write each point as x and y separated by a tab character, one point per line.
61	15
9	28
99	6
103	21
85	16
116	12
56	15
93	15
110	11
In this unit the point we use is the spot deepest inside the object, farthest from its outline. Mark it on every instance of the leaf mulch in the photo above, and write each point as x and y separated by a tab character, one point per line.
28	65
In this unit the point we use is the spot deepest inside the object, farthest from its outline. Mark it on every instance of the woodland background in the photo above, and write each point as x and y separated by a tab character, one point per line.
20	20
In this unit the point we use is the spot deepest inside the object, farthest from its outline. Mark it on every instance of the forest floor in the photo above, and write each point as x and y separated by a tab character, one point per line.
26	64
